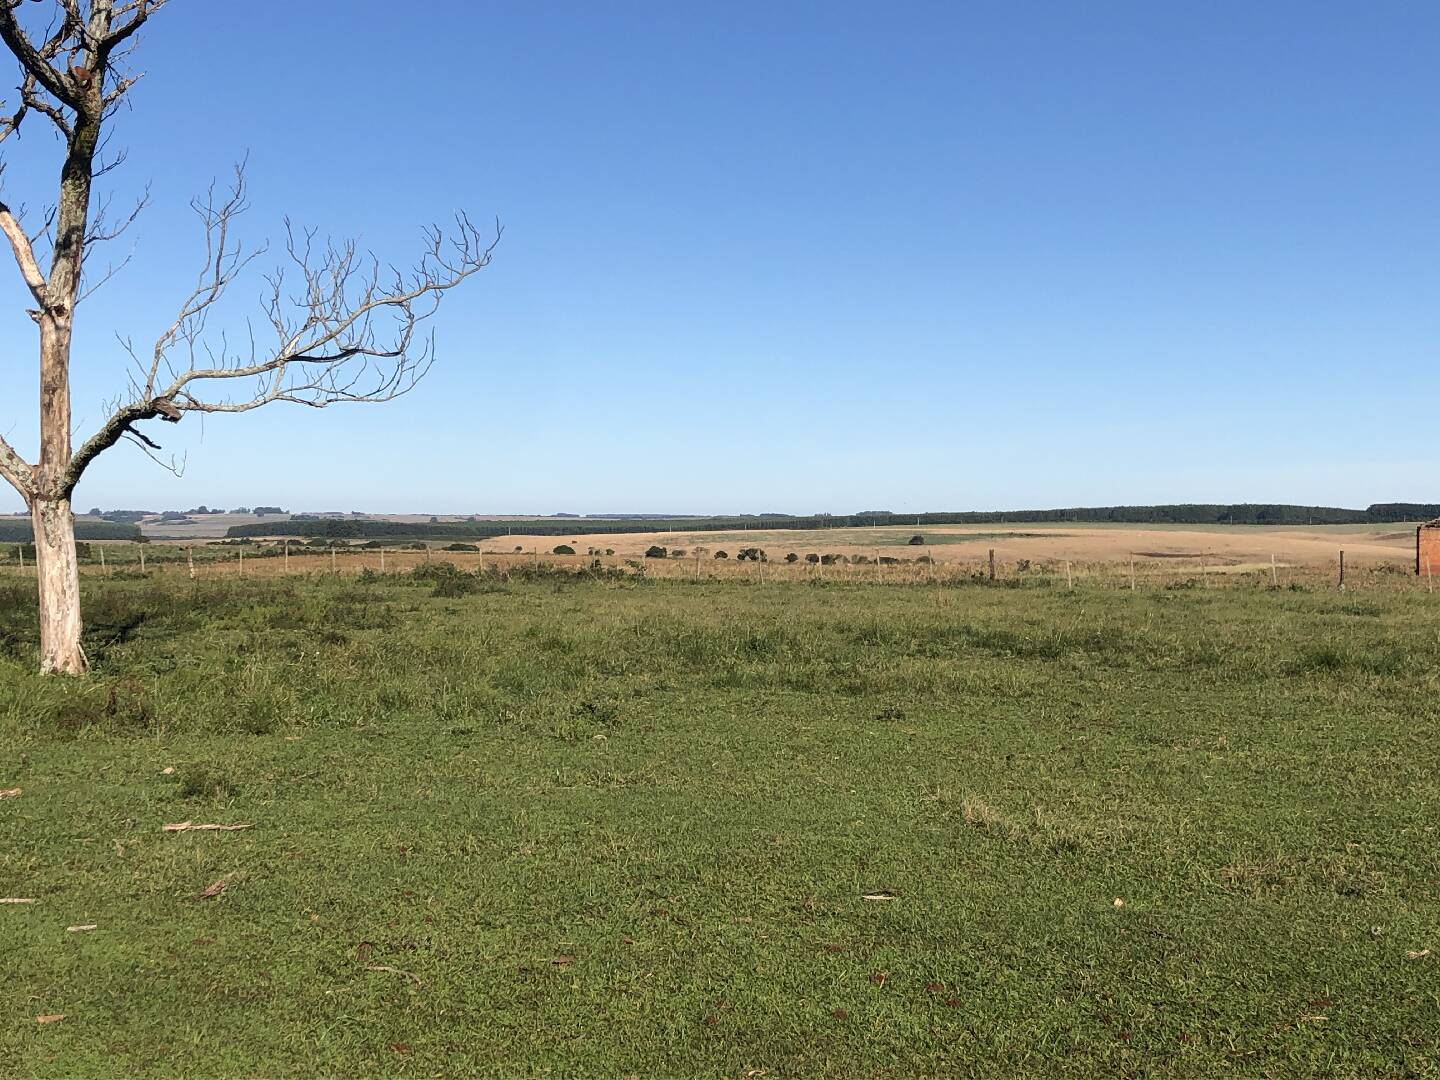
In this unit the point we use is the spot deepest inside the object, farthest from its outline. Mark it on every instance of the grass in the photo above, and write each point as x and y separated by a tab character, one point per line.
624	827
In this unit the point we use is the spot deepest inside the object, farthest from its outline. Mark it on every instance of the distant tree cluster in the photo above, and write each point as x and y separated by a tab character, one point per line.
19	530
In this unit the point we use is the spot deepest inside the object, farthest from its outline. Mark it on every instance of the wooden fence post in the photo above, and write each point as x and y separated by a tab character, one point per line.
241	553
102	559
1069	577
992	564
190	560
1274	572
142	558
1132	574
1342	569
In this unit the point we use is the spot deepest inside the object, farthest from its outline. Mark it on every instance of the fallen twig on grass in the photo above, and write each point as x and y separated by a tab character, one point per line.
214	889
189	826
16	900
49	1018
395	971
10	792
78	929
879	896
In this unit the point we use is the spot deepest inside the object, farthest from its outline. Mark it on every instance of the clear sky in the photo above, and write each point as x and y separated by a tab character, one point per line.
808	256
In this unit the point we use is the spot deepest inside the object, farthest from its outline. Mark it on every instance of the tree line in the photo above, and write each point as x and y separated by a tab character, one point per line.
1167	514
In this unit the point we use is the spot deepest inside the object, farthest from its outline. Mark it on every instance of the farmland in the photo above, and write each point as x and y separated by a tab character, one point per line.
1295	545
603	822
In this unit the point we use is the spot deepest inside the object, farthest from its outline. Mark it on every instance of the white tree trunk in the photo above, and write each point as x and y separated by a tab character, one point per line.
59	574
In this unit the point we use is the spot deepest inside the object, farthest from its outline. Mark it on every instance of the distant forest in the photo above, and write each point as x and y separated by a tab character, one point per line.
1177	514
16	530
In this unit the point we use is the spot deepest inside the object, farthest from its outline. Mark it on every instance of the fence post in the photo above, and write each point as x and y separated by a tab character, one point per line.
382	561
1132	574
102	559
1069	577
334	569
992	564
1342	569
142	558
241	553
286	548
1274	572
190	560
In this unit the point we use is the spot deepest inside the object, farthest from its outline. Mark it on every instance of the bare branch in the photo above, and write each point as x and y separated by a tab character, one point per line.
114	429
176	467
34	59
24	253
102	230
346	329
14	469
130	17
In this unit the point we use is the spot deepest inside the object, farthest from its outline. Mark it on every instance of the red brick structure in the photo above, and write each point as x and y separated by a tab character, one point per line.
1427	549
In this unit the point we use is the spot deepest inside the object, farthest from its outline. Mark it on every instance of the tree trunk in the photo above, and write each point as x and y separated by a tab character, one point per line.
59	574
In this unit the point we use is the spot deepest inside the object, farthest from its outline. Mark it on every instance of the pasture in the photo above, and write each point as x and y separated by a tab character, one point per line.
1153	546
534	822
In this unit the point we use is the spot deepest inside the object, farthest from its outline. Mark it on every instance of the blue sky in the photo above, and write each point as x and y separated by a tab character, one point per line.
808	256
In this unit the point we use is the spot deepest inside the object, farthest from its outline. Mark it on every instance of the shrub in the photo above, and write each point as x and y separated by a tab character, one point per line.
916	540
655	551
751	554
722	554
792	557
812	558
460	547
455	583
562	549
677	553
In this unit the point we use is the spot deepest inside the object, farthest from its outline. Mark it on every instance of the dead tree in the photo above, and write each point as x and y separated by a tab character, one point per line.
344	327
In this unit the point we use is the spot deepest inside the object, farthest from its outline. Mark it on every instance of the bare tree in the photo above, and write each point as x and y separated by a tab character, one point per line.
345	327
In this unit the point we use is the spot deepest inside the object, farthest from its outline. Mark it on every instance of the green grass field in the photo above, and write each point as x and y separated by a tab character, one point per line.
615	827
